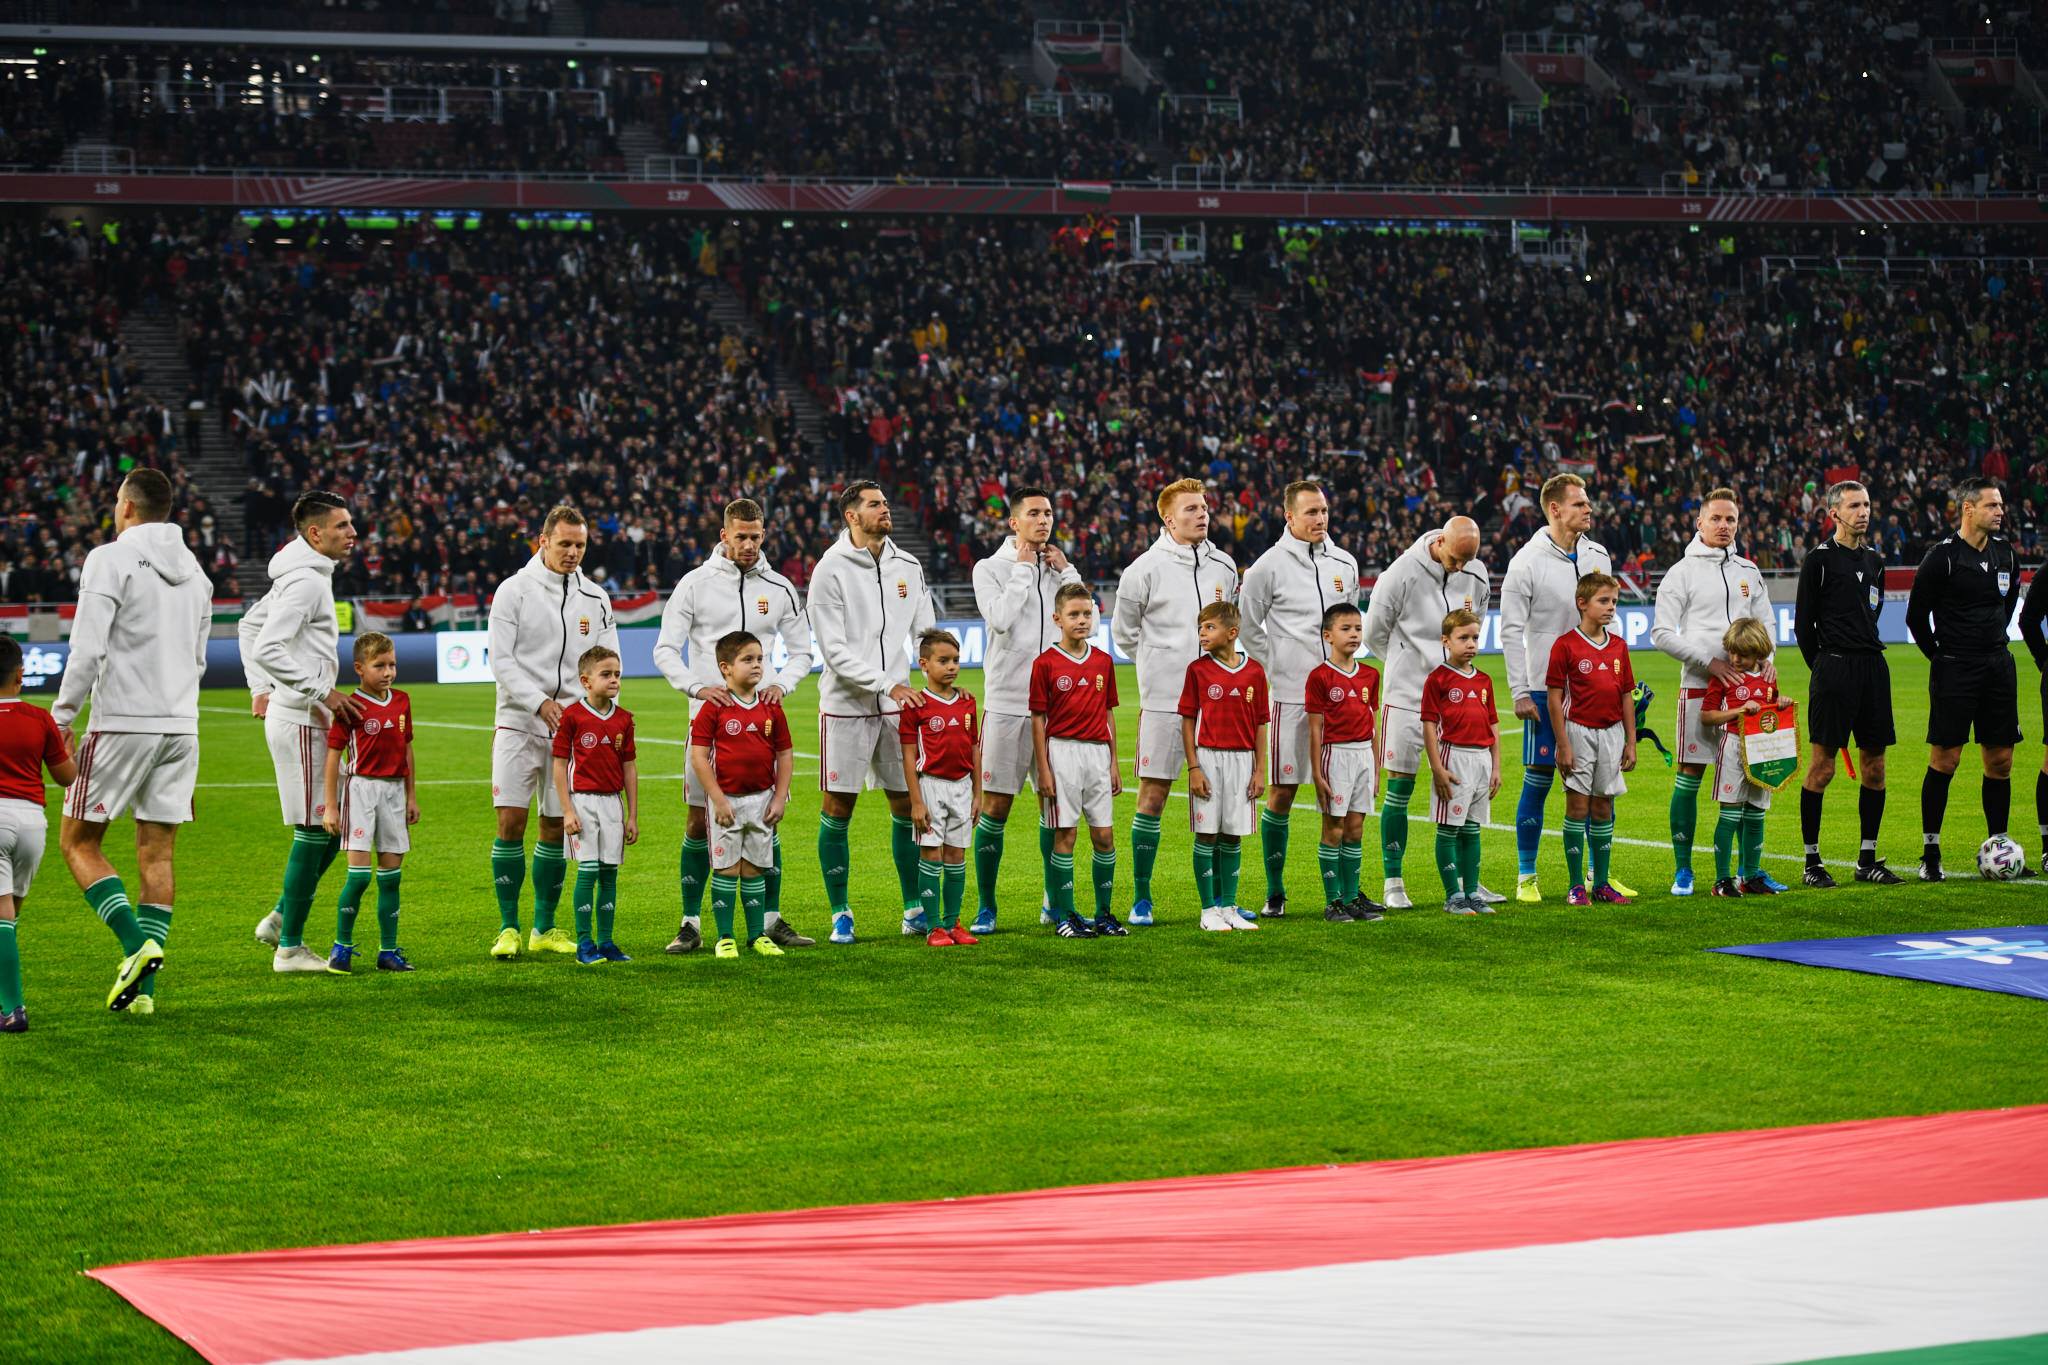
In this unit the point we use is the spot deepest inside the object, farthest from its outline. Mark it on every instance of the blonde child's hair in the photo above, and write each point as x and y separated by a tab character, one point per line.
1593	584
1748	638
1226	612
1460	617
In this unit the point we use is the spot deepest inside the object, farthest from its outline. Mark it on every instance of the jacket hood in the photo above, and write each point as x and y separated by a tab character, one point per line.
723	563
538	568
1699	549
1420	550
297	557
1306	551
161	545
1183	553
844	546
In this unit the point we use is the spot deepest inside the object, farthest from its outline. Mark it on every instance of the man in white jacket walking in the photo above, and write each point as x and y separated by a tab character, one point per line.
542	619
290	642
1404	618
1157	600
1701	595
138	650
732	590
1013	590
868	601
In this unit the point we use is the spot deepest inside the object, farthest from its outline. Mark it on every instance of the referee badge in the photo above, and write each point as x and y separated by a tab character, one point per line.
2004	583
1876	598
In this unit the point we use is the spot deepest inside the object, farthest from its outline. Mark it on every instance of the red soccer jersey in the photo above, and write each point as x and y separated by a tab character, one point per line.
1345	701
744	741
1596	679
598	747
1228	705
943	732
1461	704
376	739
28	742
1756	687
1074	695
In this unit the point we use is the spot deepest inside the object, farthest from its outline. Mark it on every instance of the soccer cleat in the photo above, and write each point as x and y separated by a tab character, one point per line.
1728	887
1073	926
299	959
1607	893
1107	925
612	952
1276	907
507	944
939	938
767	947
915	924
269	928
1485	896
1758	885
1337	912
1215	921
689	938
1460	904
1877	874
341	958
141	1006
1045	912
1477	904
392	960
1141	914
1526	889
1394	895
588	955
1364	909
962	936
555	940
1681	882
842	929
1778	888
1577	896
1930	870
1239	919
1627	893
15	1020
985	920
1819	878
782	936
726	948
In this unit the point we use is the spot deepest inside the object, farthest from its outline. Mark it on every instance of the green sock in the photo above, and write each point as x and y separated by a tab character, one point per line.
1685	814
387	908
1104	866
1753	841
1447	859
1727	834
1330	862
754	904
607	900
550	870
312	851
931	891
1394	823
832	861
1144	852
1045	837
988	859
10	968
1205	873
109	900
1575	851
155	922
691	869
771	879
586	902
956	891
351	903
508	875
1468	856
1273	845
1601	836
725	888
1350	861
903	846
1228	853
1061	888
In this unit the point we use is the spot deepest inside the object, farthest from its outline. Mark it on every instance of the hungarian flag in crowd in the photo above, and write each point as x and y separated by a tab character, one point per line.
1075	53
1092	193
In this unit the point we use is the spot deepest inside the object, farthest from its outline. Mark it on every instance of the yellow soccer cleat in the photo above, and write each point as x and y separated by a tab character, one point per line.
1615	882
134	968
507	945
1526	890
555	940
142	1005
726	948
766	947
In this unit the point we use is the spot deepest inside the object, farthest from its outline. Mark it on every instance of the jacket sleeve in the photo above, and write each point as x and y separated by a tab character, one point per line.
1806	608
1382	610
796	638
1515	598
1920	602
2031	617
1667	628
828	628
1254	600
926	616
676	619
98	599
506	669
608	636
1762	608
1002	599
290	607
1133	595
246	631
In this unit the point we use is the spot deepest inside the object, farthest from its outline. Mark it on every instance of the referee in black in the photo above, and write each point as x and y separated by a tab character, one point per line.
2033	618
1963	598
1841	589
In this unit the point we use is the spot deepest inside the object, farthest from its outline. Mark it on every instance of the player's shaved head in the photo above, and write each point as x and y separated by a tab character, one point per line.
1460	543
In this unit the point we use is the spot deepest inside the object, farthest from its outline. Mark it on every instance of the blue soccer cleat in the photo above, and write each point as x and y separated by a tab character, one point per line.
611	952
587	954
341	958
915	924
985	921
392	960
842	928
1778	888
1141	913
1681	882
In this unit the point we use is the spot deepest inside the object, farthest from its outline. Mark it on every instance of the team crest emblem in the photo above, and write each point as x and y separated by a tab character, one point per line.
2004	583
1337	582
935	724
732	725
1287	770
1457	694
1098	682
1767	721
1064	682
1585	665
1468	601
588	741
1742	694
1215	692
760	606
1336	694
1219	592
357	831
1745	587
372	726
1875	599
583	625
902	587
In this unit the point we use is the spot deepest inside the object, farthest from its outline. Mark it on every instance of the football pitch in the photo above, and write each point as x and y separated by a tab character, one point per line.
261	1111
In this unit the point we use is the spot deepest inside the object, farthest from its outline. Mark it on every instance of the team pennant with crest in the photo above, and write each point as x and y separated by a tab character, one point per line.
1770	745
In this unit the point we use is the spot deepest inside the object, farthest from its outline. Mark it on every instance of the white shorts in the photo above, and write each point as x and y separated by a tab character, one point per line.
1731	786
1596	761
1007	758
522	767
1291	758
603	839
949	812
747	839
1695	743
373	815
1471	780
1081	786
1226	809
1403	730
1159	752
23	828
1353	779
858	752
155	775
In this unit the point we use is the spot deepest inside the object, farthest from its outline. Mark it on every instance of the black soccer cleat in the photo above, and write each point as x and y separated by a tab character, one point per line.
1930	870
1878	874
1364	909
1073	926
1728	887
1757	886
687	940
1819	878
1337	912
15	1021
1107	925
1276	907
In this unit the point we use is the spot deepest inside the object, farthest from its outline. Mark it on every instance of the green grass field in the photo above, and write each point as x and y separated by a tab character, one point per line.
257	1111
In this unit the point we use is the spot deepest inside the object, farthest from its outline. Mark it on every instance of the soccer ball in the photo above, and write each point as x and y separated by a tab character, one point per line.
2000	859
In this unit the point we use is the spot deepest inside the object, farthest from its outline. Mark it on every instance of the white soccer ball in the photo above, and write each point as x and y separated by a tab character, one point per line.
2000	859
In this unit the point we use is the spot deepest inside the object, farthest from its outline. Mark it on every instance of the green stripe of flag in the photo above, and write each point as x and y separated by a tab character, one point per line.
2007	1351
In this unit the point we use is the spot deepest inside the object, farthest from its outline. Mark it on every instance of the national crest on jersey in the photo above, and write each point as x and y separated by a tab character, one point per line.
760	606
1075	695
943	731
1595	678
744	740
375	742
1346	702
1760	688
1224	702
1460	705
597	746
583	625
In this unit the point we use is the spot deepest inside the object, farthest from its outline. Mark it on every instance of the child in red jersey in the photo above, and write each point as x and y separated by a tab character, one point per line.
1224	708
942	755
1073	690
1743	803
740	752
29	743
371	801
1593	715
597	778
1461	735
1341	699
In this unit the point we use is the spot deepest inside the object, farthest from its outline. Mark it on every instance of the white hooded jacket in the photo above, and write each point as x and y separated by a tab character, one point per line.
715	599
1539	601
864	611
1157	600
1404	620
541	622
290	637
138	642
1283	600
1703	594
1014	598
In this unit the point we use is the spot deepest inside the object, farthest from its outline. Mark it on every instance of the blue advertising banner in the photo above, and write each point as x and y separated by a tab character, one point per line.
2012	960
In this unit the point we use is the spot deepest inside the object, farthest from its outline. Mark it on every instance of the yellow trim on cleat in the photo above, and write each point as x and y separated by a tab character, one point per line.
1615	882
507	945
134	967
141	1005
1526	890
767	947
555	940
728	949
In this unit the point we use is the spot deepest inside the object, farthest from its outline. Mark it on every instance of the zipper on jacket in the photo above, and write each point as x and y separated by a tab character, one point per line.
1321	605
563	613
882	631
1727	593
